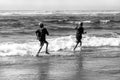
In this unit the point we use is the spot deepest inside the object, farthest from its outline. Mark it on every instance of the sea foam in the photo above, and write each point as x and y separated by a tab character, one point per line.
59	44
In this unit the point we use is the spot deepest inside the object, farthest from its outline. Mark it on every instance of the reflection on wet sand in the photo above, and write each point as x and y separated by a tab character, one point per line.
42	70
60	68
63	70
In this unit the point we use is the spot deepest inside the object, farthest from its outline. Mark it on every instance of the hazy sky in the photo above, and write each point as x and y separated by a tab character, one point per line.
59	5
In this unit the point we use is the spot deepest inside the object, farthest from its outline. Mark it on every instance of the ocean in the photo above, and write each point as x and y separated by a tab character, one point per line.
97	59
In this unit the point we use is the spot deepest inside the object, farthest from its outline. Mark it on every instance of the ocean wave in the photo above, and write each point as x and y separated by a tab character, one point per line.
56	45
12	13
36	12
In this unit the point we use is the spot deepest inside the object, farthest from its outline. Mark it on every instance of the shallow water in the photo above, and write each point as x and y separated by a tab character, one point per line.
90	64
98	60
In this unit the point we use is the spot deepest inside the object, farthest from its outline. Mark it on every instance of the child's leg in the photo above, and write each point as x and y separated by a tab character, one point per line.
46	47
80	43
76	46
41	45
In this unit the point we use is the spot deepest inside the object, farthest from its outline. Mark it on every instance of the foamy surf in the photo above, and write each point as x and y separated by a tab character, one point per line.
56	45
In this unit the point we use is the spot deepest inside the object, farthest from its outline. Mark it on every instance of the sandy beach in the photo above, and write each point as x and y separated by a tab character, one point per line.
88	65
99	58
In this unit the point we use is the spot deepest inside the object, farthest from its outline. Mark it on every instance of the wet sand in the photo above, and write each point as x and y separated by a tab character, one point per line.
85	66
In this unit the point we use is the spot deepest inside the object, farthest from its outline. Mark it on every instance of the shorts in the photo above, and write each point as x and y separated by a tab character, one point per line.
78	38
42	41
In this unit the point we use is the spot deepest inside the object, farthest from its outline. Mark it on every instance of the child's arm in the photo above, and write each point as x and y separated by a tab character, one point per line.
76	27
47	32
84	31
37	34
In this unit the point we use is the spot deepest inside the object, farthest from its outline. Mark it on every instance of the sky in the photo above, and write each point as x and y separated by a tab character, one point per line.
59	5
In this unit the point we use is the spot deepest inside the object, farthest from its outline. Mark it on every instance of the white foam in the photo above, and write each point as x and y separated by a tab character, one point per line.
55	45
100	41
8	13
74	12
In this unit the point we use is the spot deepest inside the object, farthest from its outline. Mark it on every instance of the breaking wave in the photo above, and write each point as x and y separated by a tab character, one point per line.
36	12
59	44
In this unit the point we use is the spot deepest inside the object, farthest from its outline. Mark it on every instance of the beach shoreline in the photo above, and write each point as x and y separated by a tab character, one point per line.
84	66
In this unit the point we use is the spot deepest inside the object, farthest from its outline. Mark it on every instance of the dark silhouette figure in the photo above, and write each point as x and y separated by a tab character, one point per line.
79	31
41	36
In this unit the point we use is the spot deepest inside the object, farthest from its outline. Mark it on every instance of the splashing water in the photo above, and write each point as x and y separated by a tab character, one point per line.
66	43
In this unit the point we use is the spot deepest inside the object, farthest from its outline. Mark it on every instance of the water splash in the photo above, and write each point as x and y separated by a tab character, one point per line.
66	43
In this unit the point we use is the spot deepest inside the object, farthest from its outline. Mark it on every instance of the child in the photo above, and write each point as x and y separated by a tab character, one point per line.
41	36
79	32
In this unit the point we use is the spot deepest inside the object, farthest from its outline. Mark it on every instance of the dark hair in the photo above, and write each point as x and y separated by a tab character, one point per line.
41	25
81	24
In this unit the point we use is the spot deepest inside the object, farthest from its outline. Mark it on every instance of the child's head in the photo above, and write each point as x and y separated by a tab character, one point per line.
81	24
41	25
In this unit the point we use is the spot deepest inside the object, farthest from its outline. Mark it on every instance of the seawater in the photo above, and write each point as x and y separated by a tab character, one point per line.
58	44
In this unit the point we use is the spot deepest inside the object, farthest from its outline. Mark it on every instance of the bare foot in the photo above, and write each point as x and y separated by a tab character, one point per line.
37	55
47	53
